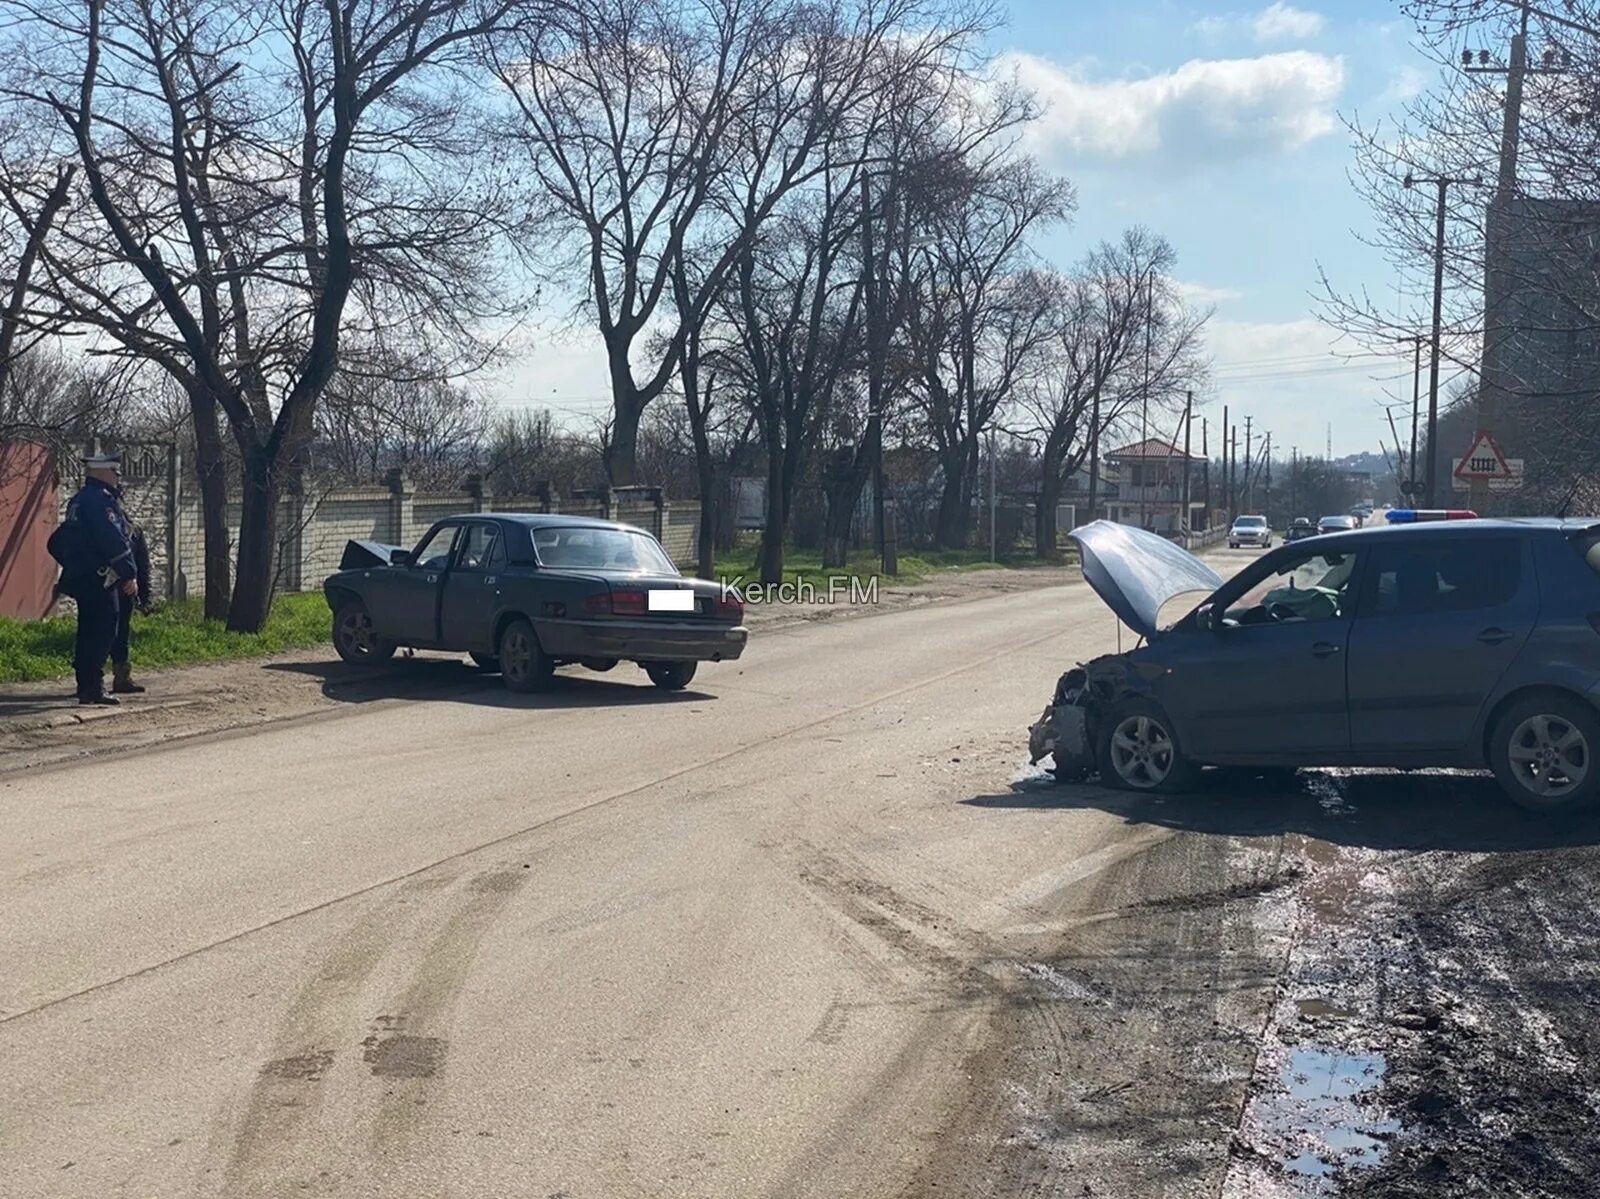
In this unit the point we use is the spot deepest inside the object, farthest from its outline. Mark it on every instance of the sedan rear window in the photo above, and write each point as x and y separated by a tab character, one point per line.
601	549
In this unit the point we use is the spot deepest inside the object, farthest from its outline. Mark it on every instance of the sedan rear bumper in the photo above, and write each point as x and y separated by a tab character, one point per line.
642	640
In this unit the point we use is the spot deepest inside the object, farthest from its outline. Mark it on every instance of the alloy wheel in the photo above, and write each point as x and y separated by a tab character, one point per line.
1549	756
516	655
355	631
1142	752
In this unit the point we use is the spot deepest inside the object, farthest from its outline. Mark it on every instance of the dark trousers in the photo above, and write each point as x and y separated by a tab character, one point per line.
97	629
119	642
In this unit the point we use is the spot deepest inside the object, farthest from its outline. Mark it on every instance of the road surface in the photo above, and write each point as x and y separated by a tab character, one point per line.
812	928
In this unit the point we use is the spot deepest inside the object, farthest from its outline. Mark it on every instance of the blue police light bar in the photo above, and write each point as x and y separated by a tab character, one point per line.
1406	516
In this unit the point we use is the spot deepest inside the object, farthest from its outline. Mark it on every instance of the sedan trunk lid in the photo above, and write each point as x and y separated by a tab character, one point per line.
1136	572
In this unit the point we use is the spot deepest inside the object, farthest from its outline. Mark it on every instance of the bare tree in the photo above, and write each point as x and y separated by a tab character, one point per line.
1096	369
981	320
258	189
663	128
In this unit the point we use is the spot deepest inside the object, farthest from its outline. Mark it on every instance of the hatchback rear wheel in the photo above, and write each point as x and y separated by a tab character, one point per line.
1542	751
1139	751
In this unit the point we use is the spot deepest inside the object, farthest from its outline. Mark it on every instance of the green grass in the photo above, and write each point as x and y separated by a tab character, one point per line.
741	565
173	634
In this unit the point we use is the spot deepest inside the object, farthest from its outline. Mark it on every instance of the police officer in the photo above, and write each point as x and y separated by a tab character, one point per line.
121	666
98	571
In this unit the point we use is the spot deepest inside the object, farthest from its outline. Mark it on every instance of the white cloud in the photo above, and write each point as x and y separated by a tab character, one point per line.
1203	294
1205	111
1281	22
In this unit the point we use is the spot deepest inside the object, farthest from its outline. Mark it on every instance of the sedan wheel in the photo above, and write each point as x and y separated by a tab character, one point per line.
354	638
670	676
1138	751
1542	752
523	665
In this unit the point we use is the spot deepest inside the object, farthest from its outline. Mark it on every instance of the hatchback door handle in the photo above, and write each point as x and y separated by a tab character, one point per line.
1494	636
1323	649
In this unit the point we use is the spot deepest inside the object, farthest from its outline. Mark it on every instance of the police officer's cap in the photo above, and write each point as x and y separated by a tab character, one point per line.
103	461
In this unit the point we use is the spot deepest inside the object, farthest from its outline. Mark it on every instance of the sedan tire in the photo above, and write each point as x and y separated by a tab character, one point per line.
354	638
523	665
670	676
1543	752
1139	751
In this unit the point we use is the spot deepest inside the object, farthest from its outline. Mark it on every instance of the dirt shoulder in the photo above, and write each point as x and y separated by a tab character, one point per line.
41	723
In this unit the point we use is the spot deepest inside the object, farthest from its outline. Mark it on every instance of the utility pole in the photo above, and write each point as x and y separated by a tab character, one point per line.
1233	472
1442	184
1144	398
1227	480
1294	481
1266	502
1494	381
1188	423
1094	433
1205	478
1249	469
1409	484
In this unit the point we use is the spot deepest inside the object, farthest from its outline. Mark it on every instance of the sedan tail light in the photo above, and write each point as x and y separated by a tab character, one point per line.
629	603
729	606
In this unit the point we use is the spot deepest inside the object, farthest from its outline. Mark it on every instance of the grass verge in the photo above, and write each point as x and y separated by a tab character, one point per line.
173	634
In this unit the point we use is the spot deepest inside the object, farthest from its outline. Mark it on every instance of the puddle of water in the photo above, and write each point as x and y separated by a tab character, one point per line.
1317	1118
1320	1009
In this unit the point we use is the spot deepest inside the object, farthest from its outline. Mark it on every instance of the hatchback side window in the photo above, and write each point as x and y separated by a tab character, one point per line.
1422	578
1314	586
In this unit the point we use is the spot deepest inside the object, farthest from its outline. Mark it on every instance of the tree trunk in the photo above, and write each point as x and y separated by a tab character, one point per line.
211	473
950	528
1044	517
842	486
771	562
258	543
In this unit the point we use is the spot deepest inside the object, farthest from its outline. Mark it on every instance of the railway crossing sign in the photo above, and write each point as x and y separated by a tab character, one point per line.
1484	464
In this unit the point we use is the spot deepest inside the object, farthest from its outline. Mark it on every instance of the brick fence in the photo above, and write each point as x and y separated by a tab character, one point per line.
315	523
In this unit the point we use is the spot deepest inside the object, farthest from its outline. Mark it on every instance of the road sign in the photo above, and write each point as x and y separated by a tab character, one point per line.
1509	482
1482	461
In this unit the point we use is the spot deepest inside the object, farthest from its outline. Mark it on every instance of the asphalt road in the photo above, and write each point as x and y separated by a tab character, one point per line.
783	934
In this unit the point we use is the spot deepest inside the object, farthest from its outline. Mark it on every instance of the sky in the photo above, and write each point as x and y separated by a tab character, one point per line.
1222	128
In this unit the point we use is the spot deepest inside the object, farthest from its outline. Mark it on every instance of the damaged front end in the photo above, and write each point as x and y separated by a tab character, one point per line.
1068	731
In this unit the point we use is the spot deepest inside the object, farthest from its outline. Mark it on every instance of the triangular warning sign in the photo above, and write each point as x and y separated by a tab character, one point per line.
1483	460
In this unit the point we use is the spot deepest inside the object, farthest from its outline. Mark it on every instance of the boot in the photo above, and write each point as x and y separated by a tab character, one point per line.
104	701
122	679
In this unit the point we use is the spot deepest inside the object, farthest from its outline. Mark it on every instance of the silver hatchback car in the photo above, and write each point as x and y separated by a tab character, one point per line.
1250	530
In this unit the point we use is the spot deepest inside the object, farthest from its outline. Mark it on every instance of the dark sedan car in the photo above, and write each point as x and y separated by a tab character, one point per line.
1299	529
1465	643
525	594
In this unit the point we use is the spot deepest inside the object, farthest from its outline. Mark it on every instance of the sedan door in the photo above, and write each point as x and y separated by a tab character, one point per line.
1440	620
406	608
1267	682
472	590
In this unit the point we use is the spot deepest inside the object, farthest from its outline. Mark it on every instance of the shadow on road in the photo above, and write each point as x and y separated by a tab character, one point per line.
1406	810
34	705
434	679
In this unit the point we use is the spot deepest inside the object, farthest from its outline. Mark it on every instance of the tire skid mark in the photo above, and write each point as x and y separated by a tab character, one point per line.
286	1098
986	660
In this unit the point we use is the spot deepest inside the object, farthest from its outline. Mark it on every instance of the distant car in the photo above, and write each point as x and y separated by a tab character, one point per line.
1300	527
1336	524
1463	643
1250	530
523	594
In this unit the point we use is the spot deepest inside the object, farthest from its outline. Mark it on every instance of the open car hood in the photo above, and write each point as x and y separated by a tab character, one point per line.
361	554
1137	572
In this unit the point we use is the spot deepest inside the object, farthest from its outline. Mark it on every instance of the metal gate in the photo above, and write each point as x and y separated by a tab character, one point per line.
28	514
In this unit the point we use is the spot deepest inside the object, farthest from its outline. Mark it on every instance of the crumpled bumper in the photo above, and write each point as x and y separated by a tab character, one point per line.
1062	730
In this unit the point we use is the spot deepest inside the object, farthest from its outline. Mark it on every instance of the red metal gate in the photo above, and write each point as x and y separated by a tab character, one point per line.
28	513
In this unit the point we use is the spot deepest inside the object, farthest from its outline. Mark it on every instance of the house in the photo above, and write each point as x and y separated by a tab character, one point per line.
1150	487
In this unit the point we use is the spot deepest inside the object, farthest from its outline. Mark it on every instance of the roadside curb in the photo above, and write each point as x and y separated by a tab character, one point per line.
66	717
